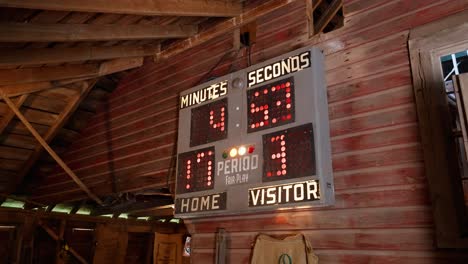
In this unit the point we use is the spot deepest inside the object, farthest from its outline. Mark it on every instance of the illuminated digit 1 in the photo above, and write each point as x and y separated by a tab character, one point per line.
214	122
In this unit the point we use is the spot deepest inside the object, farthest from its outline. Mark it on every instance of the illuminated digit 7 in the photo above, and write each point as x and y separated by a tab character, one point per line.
202	157
217	123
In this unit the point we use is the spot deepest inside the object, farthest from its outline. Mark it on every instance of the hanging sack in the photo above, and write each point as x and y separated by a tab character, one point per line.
290	250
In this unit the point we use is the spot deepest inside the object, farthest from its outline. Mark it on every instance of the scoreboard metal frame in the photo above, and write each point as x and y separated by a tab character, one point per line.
256	140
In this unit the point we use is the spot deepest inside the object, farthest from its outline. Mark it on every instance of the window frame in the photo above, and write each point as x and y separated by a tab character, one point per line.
427	44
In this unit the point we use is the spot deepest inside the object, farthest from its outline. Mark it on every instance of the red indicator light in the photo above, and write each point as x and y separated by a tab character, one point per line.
265	107
209	168
211	112
273	121
261	123
187	186
282	142
257	93
283	172
278	103
288	84
266	117
273	156
188	177
265	91
278	173
210	153
209	183
283	160
252	110
282	85
288	106
268	174
198	160
188	162
283	166
251	149
209	173
209	178
252	126
288	90
202	154
188	171
273	89
222	109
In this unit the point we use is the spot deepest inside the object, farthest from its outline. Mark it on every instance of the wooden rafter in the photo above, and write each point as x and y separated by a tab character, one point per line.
27	75
214	8
84	71
328	15
28	32
9	57
222	28
27	88
6	118
71	107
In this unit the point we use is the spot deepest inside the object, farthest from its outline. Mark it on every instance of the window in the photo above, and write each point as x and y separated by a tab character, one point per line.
438	51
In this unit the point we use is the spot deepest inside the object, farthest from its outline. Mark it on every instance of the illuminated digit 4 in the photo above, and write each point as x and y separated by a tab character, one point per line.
217	123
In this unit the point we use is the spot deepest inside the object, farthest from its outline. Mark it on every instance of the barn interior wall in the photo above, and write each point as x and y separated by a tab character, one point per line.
382	212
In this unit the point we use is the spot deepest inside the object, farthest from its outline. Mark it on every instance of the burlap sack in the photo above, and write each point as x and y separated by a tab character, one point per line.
290	250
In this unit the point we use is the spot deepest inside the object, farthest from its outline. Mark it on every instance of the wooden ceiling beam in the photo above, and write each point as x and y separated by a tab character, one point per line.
29	75
6	118
26	88
41	76
222	28
210	8
53	130
11	57
29	32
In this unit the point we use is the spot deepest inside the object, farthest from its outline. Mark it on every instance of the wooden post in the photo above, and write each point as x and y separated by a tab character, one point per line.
220	246
49	149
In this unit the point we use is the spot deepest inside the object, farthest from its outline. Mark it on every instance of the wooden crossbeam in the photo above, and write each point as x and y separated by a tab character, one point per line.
26	88
6	118
57	238
41	76
10	57
213	8
133	207
53	130
328	15
28	32
27	75
222	28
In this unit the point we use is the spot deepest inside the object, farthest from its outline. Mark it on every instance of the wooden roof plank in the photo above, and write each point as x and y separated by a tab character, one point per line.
31	32
135	7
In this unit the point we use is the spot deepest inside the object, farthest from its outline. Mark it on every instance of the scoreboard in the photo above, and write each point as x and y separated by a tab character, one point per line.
256	140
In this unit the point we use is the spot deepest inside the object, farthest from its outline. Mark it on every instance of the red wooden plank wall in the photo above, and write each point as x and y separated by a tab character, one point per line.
382	212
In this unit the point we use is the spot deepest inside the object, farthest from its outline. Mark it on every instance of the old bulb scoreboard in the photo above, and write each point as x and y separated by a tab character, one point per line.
256	140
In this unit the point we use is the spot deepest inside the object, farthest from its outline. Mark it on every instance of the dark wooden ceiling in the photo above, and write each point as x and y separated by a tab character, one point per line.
59	60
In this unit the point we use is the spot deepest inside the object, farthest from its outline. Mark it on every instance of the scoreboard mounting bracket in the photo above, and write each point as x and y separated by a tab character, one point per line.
256	140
